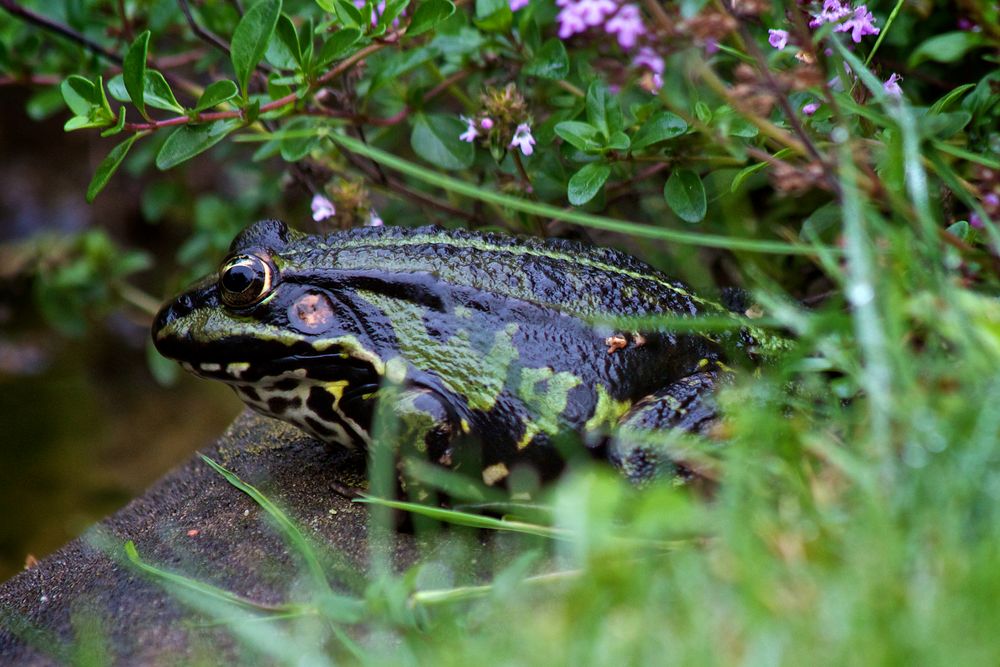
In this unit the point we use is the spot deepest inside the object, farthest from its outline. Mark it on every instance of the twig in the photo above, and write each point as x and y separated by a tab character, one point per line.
203	33
46	23
126	24
654	8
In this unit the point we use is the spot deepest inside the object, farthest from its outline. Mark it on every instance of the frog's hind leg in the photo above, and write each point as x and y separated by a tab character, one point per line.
638	450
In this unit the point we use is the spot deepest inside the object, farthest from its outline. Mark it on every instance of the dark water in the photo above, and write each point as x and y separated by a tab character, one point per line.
86	435
83	426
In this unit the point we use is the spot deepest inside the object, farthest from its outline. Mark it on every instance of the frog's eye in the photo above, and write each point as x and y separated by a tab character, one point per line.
244	280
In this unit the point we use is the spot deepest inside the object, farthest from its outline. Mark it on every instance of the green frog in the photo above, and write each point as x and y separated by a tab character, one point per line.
492	350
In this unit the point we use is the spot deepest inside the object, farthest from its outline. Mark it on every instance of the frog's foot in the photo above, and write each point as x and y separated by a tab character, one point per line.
638	448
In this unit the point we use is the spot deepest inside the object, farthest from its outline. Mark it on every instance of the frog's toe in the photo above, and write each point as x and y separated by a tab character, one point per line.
639	448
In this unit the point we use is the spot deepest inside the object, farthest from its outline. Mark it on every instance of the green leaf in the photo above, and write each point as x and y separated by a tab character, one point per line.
190	140
685	195
109	166
216	93
116	86
80	123
435	139
551	61
951	97
283	51
348	15
251	37
597	107
299	136
338	45
943	125
948	47
390	11
743	174
581	135
134	71
80	94
493	15
664	125
587	182
618	141
822	223
428	15
157	93
118	127
960	229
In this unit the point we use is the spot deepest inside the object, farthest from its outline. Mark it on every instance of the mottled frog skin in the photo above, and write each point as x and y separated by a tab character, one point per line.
492	348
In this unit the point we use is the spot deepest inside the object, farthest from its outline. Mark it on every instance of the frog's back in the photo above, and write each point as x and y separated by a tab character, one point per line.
574	278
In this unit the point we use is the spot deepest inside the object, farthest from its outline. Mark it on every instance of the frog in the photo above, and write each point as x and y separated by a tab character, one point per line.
490	351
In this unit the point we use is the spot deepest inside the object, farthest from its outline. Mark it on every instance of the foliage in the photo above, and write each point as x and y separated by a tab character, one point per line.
854	517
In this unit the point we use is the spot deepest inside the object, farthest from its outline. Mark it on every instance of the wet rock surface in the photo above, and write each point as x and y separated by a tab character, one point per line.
192	521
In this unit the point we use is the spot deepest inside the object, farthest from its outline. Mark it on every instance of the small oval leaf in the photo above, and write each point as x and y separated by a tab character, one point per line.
109	166
586	183
216	93
435	139
80	94
190	140
685	195
338	45
428	15
662	126
134	71
157	93
551	61
251	37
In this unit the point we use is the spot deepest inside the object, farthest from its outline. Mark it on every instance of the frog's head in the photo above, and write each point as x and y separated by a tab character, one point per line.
264	317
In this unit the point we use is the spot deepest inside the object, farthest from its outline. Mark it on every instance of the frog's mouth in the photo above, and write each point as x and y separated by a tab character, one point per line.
319	367
242	361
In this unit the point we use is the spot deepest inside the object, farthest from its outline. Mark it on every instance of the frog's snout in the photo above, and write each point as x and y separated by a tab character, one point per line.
172	312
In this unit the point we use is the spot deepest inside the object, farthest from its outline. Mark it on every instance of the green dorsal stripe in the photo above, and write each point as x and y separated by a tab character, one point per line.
526	249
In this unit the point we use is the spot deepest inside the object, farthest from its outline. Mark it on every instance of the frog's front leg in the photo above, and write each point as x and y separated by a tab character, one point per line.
425	424
687	404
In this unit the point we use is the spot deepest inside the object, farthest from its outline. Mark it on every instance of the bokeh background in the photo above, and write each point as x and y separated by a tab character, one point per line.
84	424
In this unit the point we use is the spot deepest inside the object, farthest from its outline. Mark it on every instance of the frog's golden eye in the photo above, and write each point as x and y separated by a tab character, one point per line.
244	280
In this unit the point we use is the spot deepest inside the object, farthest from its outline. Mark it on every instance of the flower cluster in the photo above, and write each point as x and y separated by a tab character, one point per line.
503	108
621	20
860	23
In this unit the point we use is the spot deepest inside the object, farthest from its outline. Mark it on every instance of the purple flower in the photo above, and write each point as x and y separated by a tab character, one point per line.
322	208
991	200
891	86
861	24
627	24
777	38
810	108
374	220
470	133
523	139
577	15
975	221
652	61
832	12
517	4
486	124
570	22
